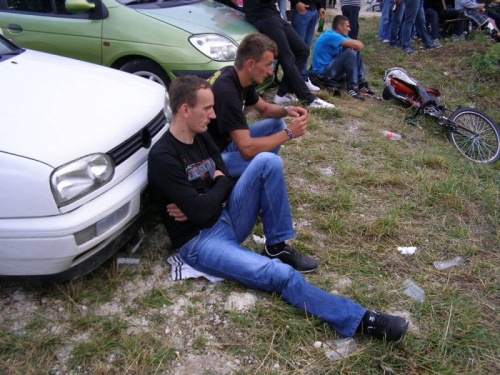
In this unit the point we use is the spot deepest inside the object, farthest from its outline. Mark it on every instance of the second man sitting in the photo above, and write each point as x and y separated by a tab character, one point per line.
233	89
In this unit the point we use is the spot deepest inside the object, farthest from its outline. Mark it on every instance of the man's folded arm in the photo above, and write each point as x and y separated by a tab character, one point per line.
198	208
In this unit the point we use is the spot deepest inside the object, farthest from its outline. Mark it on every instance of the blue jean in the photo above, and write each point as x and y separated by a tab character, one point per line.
385	19
352	12
348	64
395	27
216	250
232	158
282	9
304	25
414	14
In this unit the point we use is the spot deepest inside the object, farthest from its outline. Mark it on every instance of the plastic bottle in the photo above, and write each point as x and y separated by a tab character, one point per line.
444	264
321	26
414	291
391	135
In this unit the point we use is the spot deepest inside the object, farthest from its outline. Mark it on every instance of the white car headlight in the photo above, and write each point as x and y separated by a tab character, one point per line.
81	177
215	46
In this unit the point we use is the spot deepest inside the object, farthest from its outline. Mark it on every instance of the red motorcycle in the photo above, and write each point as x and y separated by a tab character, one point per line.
471	131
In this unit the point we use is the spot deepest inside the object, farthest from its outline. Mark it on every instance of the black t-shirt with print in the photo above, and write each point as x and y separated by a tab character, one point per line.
183	174
230	99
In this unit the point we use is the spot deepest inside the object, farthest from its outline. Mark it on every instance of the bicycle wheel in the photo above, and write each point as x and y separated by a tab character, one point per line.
476	136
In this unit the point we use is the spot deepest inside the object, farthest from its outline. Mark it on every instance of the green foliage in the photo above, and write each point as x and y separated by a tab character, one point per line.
487	64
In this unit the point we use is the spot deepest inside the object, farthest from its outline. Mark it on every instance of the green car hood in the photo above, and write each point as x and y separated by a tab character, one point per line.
204	17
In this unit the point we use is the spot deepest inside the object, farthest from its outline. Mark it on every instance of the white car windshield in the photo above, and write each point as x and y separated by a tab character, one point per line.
7	48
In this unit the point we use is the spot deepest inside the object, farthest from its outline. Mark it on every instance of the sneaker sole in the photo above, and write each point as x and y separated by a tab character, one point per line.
404	333
308	271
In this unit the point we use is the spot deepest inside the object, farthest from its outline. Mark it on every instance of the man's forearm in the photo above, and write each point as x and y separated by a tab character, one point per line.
274	111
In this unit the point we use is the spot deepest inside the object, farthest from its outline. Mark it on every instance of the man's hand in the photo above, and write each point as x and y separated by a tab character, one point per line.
481	7
298	126
301	8
175	212
218	173
322	14
296	111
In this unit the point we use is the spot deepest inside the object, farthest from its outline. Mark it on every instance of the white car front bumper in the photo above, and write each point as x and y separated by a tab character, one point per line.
48	245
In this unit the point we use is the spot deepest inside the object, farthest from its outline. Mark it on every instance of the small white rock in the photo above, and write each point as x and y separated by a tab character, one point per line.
318	344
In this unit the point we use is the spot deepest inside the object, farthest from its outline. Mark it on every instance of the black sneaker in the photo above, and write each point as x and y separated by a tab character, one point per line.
384	326
353	93
290	256
364	89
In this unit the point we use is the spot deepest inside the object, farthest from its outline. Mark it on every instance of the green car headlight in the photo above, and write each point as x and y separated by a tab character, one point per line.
214	46
81	177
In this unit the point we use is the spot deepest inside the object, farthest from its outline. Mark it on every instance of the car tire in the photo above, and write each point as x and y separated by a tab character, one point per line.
147	69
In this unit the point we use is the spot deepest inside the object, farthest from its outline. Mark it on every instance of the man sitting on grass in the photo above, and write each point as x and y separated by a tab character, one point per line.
189	185
338	57
234	89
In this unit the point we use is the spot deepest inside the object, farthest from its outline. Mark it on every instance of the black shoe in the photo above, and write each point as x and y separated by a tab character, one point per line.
290	256
354	93
364	89
384	326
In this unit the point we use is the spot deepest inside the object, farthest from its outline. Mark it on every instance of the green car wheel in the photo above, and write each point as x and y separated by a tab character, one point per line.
147	69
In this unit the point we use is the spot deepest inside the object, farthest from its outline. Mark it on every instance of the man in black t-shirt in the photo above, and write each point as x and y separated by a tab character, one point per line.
233	89
189	186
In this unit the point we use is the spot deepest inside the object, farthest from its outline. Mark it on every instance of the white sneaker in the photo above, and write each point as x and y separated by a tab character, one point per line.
311	87
287	99
320	103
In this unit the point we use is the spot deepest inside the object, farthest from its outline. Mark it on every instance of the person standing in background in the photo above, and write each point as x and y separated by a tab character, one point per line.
350	9
304	16
385	21
414	14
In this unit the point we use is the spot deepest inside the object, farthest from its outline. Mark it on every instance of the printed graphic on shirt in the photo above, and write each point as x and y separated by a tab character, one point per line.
214	77
201	170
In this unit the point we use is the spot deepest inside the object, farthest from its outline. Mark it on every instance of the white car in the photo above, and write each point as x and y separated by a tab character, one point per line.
74	140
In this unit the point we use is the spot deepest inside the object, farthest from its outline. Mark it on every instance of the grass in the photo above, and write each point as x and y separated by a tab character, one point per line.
378	194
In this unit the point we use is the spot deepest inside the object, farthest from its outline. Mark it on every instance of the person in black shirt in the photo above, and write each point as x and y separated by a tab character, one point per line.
189	186
233	88
292	52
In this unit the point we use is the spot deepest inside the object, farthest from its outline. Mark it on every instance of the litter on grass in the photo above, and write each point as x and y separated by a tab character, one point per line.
259	240
444	264
340	348
127	262
407	250
414	291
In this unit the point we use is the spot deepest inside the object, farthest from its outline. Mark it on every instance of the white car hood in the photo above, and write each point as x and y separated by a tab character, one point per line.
40	120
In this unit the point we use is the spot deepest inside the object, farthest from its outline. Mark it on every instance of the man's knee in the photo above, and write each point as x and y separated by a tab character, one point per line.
268	160
350	54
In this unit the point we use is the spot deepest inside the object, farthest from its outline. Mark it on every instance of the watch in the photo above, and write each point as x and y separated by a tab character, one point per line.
286	111
289	133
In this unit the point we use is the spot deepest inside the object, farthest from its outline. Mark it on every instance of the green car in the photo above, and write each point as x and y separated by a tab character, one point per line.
156	39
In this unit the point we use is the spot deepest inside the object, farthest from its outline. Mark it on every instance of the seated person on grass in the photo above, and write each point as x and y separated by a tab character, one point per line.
189	186
476	12
338	57
233	89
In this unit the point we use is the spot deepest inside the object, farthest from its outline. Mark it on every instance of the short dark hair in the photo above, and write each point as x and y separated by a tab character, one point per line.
184	89
338	20
253	47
